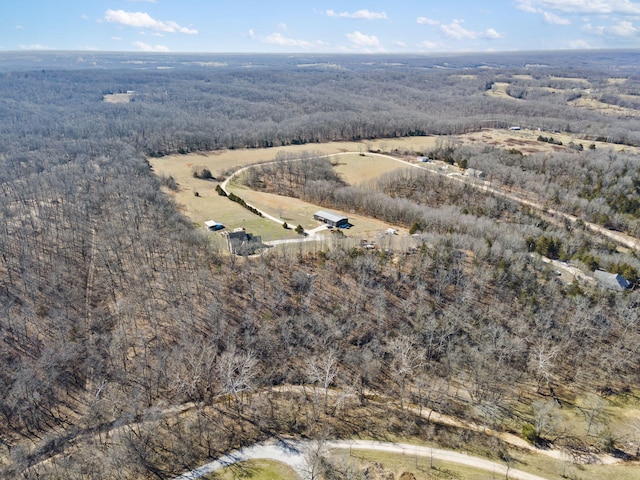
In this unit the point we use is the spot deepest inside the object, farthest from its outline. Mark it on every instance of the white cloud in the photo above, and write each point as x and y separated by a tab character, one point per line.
623	28
492	34
399	43
427	45
362	40
579	45
456	31
426	21
554	19
35	46
144	47
579	6
360	14
19	27
282	26
116	39
144	20
280	40
251	33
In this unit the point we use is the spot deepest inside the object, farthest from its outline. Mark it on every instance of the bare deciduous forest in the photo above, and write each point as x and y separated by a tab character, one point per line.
133	348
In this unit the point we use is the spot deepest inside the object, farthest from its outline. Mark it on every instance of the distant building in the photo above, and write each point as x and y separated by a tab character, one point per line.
331	219
612	281
472	172
424	159
514	128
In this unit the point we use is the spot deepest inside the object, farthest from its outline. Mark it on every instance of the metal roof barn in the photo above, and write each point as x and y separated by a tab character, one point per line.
330	218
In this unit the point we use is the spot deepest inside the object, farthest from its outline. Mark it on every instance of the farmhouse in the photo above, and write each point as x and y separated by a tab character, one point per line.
242	243
612	281
331	219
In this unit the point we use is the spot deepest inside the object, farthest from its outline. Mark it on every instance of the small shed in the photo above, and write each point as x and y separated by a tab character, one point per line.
612	281
213	225
331	219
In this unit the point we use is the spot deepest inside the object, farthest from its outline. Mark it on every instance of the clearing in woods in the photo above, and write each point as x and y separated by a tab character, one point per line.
117	98
208	205
355	168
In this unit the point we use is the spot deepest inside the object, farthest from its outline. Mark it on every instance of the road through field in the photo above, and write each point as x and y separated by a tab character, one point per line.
299	455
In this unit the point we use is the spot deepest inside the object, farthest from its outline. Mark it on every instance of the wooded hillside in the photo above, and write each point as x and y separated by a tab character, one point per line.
132	348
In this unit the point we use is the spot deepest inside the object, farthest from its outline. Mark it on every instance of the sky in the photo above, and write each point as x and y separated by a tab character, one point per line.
310	26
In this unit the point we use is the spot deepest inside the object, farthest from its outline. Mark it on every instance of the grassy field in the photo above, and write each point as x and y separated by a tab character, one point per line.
208	205
422	468
606	108
355	168
117	98
297	212
255	470
526	140
499	90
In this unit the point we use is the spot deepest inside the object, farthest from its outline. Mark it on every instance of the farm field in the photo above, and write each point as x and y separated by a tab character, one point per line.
208	205
354	168
525	140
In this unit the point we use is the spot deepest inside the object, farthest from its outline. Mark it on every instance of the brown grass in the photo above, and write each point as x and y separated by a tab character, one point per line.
356	169
606	108
260	469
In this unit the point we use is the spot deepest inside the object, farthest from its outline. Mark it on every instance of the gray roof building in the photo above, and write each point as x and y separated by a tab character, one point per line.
612	281
330	218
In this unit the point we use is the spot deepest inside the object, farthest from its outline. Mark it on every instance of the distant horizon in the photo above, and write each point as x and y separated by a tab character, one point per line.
337	54
324	27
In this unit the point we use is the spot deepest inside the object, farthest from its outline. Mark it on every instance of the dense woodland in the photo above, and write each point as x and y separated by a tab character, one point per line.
132	348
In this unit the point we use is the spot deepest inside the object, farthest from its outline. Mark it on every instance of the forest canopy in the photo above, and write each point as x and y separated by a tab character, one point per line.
135	348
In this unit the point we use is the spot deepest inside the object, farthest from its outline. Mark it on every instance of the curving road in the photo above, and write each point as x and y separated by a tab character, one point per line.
294	454
618	237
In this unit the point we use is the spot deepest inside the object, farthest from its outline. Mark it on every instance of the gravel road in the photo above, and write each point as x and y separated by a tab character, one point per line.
293	453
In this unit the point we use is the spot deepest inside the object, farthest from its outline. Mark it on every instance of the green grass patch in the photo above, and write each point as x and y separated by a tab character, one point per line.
423	468
255	470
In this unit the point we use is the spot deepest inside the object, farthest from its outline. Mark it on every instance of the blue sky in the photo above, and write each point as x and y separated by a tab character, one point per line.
368	26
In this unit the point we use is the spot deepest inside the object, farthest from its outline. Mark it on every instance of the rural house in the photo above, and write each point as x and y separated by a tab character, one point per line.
612	281
242	243
331	219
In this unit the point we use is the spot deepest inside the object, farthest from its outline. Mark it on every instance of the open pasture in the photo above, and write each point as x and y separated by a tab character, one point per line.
356	169
117	98
526	140
208	205
591	103
298	212
259	469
